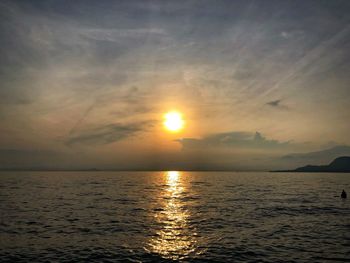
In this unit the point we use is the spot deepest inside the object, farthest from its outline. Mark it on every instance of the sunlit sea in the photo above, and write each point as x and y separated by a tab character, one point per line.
173	216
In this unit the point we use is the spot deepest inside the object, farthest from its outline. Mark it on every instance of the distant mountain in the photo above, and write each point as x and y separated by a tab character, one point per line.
339	165
334	152
292	160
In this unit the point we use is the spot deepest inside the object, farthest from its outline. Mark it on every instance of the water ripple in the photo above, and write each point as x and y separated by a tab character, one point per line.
173	216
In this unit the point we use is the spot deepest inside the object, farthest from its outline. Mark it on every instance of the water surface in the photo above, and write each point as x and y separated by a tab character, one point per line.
173	216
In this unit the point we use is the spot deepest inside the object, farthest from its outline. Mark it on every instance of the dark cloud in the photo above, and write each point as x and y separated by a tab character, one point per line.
107	134
326	155
274	103
290	161
277	104
239	140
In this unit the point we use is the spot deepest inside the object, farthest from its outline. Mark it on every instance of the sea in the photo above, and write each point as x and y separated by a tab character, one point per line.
174	216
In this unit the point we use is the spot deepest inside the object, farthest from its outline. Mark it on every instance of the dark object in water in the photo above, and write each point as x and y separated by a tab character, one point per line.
343	194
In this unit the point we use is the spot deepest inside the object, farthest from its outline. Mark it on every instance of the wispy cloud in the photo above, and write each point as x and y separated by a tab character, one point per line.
107	134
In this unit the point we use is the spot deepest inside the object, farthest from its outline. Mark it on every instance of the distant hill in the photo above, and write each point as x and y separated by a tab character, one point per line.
339	165
323	155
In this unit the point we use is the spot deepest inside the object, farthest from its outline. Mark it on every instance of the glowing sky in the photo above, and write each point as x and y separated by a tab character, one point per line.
86	83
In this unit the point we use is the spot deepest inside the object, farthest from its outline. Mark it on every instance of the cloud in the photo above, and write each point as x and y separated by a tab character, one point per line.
107	134
277	104
14	158
237	151
274	103
239	140
66	67
115	35
291	34
130	101
326	155
292	160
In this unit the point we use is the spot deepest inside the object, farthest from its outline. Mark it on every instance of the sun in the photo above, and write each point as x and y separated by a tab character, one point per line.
173	121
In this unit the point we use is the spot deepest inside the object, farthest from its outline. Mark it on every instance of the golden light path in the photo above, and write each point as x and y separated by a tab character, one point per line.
173	121
175	240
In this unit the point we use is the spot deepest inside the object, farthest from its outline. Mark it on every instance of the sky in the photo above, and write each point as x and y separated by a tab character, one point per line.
85	84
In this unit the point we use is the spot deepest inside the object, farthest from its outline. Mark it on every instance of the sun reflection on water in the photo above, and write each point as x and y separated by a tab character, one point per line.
175	239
